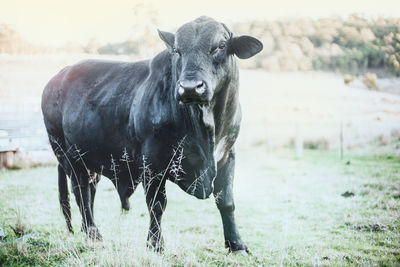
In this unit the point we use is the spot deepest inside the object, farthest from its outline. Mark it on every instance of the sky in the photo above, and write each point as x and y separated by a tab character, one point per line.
55	22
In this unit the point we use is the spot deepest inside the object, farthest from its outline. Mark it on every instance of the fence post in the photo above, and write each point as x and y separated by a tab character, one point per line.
340	140
268	137
299	142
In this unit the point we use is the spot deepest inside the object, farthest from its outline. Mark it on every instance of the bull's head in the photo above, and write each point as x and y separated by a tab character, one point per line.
201	53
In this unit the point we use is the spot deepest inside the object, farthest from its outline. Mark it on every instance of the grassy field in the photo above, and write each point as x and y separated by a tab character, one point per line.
290	212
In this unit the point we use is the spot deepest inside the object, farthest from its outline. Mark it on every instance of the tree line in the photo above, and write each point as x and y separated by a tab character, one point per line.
352	45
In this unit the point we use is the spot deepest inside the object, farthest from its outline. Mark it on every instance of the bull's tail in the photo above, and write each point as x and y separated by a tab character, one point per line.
64	197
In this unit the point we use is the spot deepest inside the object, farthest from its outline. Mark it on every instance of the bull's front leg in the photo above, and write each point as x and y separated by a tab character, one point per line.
156	200
81	189
223	193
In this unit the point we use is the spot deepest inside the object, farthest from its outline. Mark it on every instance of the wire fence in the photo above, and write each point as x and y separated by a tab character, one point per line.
21	125
342	135
22	128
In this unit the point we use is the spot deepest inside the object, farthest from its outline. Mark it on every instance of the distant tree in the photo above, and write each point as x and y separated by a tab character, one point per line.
10	41
123	48
355	44
92	46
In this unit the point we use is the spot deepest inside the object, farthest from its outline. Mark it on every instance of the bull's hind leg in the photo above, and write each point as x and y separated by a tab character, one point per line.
64	197
223	193
81	189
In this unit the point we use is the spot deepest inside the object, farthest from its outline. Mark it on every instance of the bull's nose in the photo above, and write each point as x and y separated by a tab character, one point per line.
192	86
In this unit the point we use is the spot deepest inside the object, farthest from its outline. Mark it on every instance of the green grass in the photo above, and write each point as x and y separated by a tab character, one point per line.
289	212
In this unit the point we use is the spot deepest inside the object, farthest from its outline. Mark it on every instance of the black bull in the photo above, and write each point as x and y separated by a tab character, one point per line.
175	117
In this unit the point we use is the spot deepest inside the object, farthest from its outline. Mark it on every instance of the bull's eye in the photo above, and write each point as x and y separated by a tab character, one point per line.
176	51
220	47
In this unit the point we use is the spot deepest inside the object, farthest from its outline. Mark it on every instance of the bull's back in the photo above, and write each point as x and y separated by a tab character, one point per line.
89	102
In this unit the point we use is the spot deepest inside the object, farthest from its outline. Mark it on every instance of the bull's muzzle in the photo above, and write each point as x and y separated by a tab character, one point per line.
192	92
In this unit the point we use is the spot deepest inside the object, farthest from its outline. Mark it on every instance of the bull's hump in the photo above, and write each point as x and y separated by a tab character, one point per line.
203	19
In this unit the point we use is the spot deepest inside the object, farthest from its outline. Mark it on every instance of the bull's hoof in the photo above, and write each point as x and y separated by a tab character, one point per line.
94	234
237	247
124	212
70	228
243	252
125	205
156	246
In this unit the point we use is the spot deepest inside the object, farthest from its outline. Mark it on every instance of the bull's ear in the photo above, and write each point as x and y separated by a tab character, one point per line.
168	38
245	46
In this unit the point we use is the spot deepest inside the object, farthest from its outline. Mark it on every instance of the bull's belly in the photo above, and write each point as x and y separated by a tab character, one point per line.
94	151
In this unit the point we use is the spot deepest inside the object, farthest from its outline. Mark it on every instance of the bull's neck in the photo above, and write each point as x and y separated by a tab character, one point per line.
213	118
226	101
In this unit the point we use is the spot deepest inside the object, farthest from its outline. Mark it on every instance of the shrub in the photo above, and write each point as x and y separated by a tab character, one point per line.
370	81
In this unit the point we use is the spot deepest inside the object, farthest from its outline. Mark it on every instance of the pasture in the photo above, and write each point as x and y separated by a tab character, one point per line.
315	211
